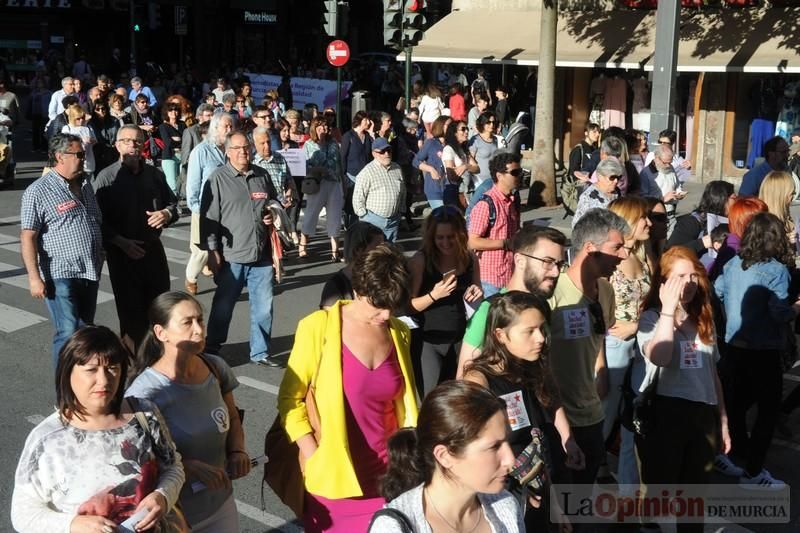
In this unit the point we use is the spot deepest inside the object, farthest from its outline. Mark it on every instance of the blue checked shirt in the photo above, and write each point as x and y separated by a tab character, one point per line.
205	158
278	170
68	226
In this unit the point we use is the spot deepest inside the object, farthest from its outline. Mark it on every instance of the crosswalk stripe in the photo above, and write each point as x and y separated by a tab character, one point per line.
260	385
13	318
266	518
21	281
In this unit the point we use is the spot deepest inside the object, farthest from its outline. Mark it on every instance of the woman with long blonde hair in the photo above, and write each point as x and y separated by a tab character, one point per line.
631	282
777	191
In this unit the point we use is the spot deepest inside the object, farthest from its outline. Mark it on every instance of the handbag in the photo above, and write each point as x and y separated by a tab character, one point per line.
215	372
644	408
309	186
529	466
174	521
396	516
284	471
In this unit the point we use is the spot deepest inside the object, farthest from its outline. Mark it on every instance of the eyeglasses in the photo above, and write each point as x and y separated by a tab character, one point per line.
263	117
445	211
549	262
463	129
516	172
384	151
612	178
239	101
244	147
129	141
79	155
97	108
599	323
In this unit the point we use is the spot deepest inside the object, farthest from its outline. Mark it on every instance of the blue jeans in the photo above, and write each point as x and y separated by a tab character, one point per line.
71	303
489	289
230	280
389	226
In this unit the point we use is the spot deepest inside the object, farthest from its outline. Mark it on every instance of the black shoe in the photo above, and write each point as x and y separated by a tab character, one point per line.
270	362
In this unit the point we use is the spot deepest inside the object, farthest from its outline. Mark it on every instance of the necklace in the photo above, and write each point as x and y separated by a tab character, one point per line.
477	522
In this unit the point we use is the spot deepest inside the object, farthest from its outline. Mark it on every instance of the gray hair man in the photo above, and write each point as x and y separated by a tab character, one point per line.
61	240
583	310
206	157
56	107
137	203
275	165
234	228
191	138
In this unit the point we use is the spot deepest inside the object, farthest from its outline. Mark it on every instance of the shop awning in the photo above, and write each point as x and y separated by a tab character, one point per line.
733	40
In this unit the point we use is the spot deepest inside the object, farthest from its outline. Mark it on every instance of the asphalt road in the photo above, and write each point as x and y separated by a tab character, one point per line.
26	376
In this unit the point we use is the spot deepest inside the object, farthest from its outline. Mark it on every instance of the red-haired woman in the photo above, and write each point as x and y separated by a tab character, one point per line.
740	213
677	339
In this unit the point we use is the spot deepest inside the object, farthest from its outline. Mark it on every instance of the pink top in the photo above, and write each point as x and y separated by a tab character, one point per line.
370	414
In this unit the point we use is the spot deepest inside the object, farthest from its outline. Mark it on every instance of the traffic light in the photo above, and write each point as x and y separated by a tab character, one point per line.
414	22
153	15
330	17
393	23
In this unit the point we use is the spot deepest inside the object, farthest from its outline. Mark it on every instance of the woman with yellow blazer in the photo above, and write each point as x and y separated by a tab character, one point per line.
364	392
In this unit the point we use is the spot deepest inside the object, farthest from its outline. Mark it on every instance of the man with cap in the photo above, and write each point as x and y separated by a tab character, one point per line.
379	196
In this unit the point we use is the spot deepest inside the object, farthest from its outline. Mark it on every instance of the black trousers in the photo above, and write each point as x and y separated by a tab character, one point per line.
681	447
136	283
751	377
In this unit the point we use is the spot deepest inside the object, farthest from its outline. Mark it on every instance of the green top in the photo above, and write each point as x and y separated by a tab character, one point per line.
476	327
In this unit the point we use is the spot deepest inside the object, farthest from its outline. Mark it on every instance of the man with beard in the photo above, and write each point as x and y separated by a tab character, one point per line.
582	311
776	157
658	180
136	204
538	259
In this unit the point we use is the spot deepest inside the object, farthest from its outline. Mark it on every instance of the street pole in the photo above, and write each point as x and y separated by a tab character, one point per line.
133	38
338	97
665	63
408	78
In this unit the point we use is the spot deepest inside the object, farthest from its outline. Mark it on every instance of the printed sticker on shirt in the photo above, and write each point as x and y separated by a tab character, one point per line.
576	323
258	195
515	410
63	207
690	357
220	418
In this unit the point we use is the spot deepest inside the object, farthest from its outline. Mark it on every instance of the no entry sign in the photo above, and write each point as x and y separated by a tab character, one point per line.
338	53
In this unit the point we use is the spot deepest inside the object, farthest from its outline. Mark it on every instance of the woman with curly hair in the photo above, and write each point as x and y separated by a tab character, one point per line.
514	364
754	289
677	340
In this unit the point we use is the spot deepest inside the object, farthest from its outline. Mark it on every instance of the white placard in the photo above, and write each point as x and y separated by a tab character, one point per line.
296	159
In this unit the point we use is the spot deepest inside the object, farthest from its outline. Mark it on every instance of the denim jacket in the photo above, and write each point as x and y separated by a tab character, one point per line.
755	302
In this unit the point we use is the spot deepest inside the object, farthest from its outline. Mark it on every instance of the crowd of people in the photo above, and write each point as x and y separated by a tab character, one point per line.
448	391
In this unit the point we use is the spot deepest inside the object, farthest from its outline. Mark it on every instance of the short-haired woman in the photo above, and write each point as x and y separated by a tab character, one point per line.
357	355
754	289
195	393
601	193
324	163
361	238
99	458
449	473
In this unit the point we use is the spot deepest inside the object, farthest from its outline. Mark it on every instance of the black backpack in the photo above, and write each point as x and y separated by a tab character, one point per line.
493	210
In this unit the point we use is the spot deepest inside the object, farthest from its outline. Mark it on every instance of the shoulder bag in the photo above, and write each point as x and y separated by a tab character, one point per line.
644	408
173	521
284	470
215	372
397	516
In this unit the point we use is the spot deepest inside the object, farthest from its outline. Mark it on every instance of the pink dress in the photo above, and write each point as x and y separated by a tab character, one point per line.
369	410
615	102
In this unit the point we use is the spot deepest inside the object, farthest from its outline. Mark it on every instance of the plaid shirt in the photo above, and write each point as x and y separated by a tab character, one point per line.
379	190
277	168
496	265
68	227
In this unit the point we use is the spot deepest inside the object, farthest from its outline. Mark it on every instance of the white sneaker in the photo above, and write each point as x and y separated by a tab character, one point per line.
723	465
763	480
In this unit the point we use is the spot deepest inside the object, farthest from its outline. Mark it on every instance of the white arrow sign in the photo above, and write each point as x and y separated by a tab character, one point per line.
334	53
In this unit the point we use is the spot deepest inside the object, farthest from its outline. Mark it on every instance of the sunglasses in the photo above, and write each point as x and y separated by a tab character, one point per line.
598	322
79	155
516	172
657	217
384	151
445	212
612	178
463	129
